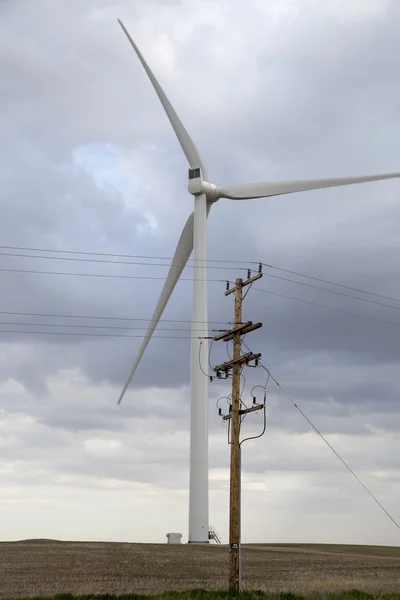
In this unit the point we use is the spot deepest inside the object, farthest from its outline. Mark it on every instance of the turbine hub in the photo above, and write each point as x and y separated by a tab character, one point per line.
197	185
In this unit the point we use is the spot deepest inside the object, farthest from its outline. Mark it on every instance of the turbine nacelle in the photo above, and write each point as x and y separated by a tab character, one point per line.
197	185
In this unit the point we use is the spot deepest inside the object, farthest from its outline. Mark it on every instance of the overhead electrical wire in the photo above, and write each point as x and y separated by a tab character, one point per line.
152	278
113	262
190	260
83	326
85	334
318	432
341	285
147	264
340	310
106	318
277	294
120	335
85	253
105	275
321	289
269	292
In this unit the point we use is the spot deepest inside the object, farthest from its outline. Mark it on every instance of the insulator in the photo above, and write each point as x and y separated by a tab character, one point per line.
260	268
220	412
254	400
248	273
227	285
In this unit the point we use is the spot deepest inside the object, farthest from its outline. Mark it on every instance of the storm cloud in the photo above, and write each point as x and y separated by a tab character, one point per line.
89	163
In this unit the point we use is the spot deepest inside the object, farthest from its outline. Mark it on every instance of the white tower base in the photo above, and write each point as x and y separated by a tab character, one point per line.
198	486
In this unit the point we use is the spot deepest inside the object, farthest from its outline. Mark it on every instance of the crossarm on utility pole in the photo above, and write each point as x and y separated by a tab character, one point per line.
240	360
244	283
245	411
226	336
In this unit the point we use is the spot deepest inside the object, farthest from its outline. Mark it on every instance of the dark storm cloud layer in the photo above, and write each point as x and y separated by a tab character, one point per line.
60	206
306	92
296	328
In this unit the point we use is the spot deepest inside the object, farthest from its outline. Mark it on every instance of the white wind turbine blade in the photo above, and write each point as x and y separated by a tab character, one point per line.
188	147
181	256
263	190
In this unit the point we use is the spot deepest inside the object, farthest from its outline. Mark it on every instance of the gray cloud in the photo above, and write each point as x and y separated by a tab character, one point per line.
89	162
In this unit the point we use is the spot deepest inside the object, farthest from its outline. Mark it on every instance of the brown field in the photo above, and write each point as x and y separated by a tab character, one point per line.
34	568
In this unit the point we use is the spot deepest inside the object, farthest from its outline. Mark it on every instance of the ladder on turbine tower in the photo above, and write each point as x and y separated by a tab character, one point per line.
213	535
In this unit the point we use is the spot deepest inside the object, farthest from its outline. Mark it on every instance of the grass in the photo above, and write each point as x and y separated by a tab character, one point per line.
106	571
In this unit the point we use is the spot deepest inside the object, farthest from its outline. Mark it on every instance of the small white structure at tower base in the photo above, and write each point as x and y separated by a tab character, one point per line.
174	538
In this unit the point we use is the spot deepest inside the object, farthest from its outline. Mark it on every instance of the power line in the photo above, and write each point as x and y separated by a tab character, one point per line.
114	262
109	318
104	275
309	302
121	255
146	257
316	287
124	328
64	316
347	287
341	310
144	277
326	442
147	277
120	335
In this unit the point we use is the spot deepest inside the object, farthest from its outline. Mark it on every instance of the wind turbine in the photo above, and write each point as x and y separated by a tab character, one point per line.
193	238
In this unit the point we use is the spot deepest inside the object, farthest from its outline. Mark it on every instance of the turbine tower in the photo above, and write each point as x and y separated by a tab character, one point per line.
193	238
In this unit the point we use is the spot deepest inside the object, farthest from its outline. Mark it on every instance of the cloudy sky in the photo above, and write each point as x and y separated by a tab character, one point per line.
89	164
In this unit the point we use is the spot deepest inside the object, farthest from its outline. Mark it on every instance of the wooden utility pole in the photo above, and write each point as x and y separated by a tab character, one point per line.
236	364
234	539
